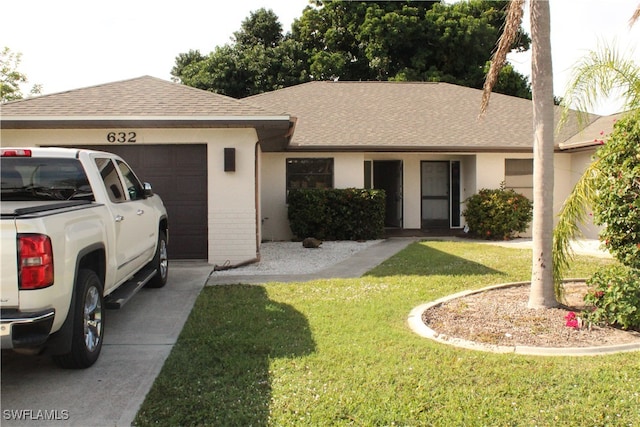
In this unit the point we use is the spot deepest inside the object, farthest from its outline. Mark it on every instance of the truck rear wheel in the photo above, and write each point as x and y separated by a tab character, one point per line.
88	323
160	262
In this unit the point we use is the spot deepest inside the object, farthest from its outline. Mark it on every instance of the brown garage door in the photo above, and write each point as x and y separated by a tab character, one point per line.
178	173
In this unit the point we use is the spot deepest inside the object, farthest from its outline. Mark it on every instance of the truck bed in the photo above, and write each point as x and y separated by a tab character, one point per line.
12	209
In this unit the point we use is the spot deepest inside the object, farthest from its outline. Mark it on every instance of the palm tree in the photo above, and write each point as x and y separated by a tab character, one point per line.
550	255
542	293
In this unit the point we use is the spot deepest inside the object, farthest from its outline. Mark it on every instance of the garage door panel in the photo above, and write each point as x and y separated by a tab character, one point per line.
155	157
192	187
190	217
191	158
178	173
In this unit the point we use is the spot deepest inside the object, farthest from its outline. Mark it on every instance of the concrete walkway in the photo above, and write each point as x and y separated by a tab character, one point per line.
353	267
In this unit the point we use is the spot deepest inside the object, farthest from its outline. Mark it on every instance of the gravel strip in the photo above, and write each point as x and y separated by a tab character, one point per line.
293	258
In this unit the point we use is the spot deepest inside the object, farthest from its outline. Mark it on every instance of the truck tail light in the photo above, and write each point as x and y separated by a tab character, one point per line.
12	152
35	261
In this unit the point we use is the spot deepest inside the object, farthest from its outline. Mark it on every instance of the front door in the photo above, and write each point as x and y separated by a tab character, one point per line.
435	194
387	175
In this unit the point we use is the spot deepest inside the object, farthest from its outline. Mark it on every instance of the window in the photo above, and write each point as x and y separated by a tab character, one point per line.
134	186
519	176
368	174
36	178
111	180
309	173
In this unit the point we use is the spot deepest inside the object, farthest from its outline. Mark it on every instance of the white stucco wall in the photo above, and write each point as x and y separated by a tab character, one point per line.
275	225
231	208
468	167
578	163
568	167
490	170
349	172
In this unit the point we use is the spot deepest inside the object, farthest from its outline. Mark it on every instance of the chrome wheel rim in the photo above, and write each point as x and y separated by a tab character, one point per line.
164	260
92	319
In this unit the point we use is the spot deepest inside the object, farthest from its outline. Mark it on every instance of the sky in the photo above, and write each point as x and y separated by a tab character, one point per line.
71	44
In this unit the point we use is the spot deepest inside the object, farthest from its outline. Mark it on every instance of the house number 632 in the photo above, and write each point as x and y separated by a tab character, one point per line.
121	137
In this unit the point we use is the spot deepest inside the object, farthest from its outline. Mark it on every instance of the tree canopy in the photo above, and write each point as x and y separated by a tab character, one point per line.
381	40
11	78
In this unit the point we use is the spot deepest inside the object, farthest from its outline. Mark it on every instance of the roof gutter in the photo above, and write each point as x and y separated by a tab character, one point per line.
89	122
274	132
406	149
580	145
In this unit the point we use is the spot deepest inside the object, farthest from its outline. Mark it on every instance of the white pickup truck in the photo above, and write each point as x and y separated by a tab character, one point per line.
79	233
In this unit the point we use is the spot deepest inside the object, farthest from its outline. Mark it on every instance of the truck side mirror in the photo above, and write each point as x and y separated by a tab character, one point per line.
148	191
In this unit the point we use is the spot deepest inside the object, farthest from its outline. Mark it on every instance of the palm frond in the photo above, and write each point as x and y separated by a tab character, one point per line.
515	12
572	214
601	73
635	17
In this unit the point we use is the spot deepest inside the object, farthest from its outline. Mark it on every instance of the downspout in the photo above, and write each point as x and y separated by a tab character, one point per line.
227	265
256	169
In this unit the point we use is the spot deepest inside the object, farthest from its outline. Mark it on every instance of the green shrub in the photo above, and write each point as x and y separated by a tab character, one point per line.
337	214
497	214
615	297
617	204
307	213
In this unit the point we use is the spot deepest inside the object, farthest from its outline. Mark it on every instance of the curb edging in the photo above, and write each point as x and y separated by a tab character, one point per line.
419	327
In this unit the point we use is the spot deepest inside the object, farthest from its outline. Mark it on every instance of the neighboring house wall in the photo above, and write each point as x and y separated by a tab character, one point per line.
579	162
231	199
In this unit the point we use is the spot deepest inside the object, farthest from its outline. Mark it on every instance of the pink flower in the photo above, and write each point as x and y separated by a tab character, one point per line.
572	320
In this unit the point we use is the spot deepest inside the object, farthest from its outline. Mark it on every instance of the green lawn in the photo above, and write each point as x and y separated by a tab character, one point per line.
339	352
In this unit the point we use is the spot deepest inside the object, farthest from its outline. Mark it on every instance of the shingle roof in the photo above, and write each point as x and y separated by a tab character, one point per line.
592	134
145	102
142	97
404	116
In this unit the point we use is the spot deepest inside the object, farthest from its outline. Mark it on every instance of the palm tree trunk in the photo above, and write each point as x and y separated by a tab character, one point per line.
542	294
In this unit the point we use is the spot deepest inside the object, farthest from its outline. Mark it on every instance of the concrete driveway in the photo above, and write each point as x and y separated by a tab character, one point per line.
138	339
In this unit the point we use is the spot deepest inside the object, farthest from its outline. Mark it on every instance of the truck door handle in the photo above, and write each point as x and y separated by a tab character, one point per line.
140	212
119	218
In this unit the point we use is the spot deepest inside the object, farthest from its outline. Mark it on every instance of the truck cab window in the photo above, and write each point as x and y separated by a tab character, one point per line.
25	178
134	186
111	180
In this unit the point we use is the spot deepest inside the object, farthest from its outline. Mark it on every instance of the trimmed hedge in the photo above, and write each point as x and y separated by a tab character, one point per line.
498	214
337	214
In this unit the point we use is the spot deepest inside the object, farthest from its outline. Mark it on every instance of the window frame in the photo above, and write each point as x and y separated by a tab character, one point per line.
510	166
313	175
